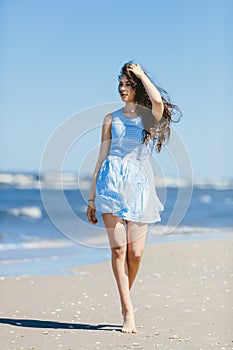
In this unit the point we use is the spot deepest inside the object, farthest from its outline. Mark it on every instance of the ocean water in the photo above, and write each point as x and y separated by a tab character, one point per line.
35	243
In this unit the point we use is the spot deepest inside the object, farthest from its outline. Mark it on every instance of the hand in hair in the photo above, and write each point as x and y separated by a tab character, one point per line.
136	70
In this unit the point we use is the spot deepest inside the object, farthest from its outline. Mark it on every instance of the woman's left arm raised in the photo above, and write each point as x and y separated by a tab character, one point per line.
152	91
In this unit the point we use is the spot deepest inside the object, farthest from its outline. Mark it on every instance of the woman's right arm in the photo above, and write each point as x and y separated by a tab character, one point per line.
104	151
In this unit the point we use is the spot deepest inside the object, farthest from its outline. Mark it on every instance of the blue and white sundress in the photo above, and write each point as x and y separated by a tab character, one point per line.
125	183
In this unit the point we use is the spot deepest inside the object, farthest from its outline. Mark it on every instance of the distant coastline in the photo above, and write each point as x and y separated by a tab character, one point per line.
71	180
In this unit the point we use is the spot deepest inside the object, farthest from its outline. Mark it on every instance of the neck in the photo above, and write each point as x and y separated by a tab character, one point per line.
130	107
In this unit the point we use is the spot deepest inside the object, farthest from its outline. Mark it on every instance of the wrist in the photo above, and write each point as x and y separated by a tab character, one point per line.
143	76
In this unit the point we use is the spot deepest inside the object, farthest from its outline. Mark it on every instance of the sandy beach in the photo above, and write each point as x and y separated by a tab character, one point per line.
182	298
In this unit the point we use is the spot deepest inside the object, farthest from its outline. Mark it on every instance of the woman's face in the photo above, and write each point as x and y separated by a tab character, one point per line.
125	89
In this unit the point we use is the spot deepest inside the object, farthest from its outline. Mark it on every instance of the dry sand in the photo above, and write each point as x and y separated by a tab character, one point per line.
182	296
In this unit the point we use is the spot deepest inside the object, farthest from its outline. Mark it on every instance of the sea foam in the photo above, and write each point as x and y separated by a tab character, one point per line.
31	212
72	180
40	244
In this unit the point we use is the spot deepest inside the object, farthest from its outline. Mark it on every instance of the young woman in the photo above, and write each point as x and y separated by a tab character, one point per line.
123	189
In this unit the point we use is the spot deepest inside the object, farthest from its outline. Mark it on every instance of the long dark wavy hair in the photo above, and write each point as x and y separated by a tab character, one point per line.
158	131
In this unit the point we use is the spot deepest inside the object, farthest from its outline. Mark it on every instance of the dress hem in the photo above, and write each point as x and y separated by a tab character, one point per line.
149	221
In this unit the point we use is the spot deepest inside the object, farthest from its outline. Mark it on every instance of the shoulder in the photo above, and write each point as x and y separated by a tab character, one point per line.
108	119
107	124
115	114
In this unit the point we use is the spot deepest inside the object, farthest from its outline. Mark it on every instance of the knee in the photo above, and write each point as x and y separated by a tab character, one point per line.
135	255
119	252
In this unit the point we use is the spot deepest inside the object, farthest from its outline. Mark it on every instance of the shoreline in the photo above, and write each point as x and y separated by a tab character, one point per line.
182	296
62	260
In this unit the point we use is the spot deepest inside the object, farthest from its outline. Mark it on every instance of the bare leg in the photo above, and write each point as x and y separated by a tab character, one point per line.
118	242
136	236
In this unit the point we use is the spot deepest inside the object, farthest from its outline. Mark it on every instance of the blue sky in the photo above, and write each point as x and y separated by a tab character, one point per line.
59	57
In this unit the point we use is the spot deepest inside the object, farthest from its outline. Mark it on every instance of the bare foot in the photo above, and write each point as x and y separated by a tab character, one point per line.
129	324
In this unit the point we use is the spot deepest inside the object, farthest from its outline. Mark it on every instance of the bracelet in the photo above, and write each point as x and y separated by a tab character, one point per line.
90	200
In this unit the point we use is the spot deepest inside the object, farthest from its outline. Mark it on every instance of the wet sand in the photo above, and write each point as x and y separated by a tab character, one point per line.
183	299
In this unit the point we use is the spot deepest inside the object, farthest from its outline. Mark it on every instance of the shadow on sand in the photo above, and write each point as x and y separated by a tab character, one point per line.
59	325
